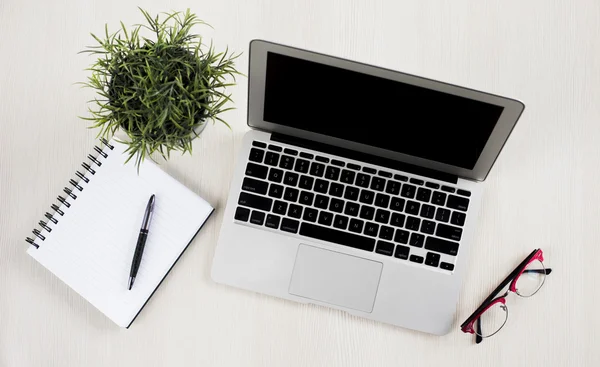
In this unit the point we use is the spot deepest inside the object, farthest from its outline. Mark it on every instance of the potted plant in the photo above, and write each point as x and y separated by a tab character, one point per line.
160	90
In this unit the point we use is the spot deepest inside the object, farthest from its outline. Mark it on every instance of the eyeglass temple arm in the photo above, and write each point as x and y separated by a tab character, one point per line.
539	271
478	337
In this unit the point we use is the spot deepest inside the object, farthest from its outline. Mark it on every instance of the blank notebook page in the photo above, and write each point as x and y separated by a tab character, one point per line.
91	247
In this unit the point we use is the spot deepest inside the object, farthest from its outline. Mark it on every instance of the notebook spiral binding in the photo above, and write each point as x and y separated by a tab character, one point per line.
71	194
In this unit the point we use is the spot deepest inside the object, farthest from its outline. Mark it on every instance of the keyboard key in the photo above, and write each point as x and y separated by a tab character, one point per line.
416	240
384	248
321	186
400	178
336	236
306	155
306	198
254	201
255	170
416	181
347	177
325	218
272	221
302	165
310	214
290	179
439	198
413	223
242	214
412	207
363	180
397	204
382	200
351	193
351	209
367	212
401	252
408	191
442	246
306	182
416	259
387	233
275	175
423	194
463	192
256	155
398	220
280	207
290	194
442	215
427	211
382	216
456	202
337	163
367	196
447	266
336	205
340	222
275	148
322	159
401	236
289	225
370	170
287	162
385	174
432	185
353	166
252	185
371	229
257	218
377	184
356	225
336	189
448	189
458	218
428	226
272	159
317	169
332	173
295	211
449	232
322	202
259	144
276	191
393	187
290	151
432	259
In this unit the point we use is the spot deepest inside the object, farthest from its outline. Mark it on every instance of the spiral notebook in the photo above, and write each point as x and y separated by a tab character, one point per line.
89	239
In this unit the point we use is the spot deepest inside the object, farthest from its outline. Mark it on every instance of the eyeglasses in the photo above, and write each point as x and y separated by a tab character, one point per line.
525	281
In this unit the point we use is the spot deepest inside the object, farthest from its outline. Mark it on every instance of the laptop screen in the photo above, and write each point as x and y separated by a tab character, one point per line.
378	112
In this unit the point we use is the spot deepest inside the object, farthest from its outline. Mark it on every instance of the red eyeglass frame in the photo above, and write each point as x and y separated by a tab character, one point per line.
513	277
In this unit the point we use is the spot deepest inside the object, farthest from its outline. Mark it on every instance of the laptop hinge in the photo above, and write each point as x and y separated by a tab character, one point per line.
364	157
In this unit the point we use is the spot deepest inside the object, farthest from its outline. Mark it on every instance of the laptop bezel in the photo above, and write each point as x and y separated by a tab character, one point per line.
256	95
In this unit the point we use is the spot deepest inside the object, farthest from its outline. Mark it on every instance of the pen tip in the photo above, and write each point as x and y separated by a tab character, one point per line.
131	280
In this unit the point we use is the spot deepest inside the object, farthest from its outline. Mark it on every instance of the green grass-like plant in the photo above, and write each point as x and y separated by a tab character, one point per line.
159	91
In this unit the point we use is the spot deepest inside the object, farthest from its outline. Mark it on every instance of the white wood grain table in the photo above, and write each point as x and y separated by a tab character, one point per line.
544	191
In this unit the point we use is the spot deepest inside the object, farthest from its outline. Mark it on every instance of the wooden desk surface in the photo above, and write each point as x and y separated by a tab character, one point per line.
543	192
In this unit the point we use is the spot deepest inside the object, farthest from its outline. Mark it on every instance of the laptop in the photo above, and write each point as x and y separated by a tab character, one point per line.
357	187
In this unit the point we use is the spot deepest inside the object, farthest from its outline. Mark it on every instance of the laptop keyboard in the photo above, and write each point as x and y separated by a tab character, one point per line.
360	207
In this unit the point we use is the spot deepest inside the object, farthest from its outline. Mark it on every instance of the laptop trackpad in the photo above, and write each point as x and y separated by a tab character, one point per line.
335	278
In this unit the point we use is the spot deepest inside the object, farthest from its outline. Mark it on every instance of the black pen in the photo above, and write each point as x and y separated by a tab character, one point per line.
141	242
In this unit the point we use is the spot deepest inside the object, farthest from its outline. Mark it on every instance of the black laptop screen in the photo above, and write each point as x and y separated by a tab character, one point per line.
375	111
